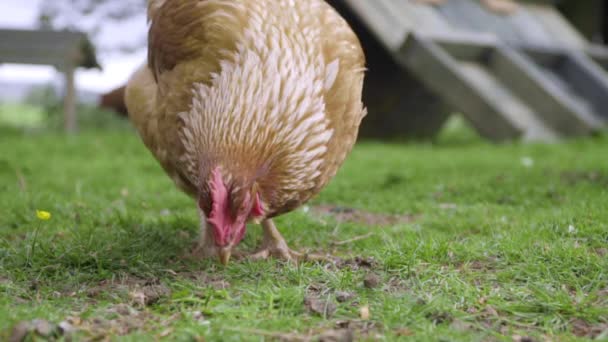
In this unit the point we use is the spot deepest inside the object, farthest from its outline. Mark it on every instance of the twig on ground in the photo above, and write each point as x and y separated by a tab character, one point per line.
21	180
356	238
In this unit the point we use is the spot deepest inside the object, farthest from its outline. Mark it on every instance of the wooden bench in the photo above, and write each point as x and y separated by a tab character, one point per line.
65	50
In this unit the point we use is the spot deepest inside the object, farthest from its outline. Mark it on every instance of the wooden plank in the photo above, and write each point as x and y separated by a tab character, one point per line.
386	25
477	97
399	106
471	16
39	57
529	29
506	100
43	47
599	54
557	26
587	80
40	35
464	45
392	20
69	101
564	113
420	17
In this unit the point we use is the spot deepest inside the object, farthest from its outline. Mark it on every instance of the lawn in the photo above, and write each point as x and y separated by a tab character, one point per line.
459	240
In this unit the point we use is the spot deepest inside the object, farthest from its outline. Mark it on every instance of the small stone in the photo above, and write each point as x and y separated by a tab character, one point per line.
20	332
42	327
371	281
65	328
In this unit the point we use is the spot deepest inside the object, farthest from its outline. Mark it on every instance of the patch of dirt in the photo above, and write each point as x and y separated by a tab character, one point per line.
590	176
336	335
324	307
582	328
340	331
120	319
141	292
344	214
149	294
39	328
357	263
214	281
396	285
362	329
344	296
116	320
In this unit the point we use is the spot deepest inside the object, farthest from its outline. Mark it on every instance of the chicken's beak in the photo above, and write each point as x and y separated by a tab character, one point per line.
224	255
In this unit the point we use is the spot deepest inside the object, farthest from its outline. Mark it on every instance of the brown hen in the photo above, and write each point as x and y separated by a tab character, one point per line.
250	106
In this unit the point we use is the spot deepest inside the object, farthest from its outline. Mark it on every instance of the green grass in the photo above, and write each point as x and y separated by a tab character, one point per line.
504	240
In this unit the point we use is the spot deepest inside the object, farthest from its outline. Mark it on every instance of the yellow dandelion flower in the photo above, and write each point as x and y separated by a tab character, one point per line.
43	215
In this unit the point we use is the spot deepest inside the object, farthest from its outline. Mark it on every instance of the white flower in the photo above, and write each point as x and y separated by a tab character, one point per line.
527	162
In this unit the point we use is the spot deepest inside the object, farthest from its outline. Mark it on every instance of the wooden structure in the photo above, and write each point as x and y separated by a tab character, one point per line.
526	74
65	50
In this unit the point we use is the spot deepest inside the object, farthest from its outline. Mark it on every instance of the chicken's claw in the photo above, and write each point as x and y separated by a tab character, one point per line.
274	245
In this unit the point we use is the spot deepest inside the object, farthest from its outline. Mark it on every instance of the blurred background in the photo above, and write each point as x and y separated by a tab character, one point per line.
507	70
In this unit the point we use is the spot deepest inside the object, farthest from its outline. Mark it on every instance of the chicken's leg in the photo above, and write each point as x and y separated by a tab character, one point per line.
206	247
273	244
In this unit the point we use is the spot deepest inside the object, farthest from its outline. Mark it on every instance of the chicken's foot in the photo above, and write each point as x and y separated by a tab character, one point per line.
205	247
274	245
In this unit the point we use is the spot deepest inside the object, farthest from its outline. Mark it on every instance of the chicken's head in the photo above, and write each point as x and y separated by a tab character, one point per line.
228	208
